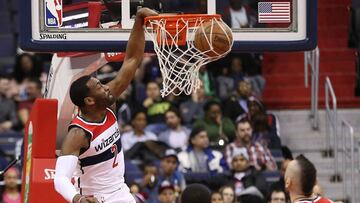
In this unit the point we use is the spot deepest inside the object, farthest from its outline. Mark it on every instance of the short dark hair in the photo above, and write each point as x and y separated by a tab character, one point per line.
276	190
194	132
37	82
175	111
210	103
79	90
196	192
243	120
307	174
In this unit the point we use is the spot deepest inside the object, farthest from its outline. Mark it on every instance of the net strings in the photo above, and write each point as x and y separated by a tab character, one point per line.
180	65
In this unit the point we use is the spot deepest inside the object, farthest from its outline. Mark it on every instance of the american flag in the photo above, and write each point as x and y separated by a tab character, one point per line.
274	12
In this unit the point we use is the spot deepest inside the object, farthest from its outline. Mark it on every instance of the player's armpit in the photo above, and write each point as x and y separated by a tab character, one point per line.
75	140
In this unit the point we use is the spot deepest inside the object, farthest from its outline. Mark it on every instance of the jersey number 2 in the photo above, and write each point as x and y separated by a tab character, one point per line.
114	150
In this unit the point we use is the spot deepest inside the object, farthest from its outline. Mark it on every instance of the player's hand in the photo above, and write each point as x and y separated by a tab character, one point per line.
145	12
90	200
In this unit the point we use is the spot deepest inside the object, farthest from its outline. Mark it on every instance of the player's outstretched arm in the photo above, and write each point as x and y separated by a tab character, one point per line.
134	54
66	164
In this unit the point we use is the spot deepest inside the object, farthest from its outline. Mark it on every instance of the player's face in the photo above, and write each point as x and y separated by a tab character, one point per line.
167	196
244	131
277	197
216	198
239	163
169	165
100	93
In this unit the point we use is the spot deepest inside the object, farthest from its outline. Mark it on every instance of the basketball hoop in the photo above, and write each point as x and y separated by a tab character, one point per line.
184	43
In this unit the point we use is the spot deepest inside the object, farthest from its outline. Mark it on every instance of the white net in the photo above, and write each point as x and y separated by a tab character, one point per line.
180	64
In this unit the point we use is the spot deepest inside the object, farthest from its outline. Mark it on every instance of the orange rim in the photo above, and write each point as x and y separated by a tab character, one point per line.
171	24
188	17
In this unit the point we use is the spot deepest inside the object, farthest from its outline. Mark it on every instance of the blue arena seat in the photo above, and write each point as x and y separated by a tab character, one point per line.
5	22
7	47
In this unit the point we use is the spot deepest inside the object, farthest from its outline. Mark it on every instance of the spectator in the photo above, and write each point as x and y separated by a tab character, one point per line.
33	91
245	178
216	197
8	117
150	182
26	66
168	171
240	16
124	110
156	108
11	192
195	192
176	135
263	133
237	70
208	81
138	195
228	194
280	185
167	192
259	156
236	105
8	87
218	127
198	157
277	196
192	109
138	134
225	84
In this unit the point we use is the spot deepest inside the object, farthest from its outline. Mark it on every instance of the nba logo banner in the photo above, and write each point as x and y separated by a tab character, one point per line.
53	13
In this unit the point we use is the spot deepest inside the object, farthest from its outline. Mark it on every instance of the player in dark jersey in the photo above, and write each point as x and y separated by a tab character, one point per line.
92	149
300	179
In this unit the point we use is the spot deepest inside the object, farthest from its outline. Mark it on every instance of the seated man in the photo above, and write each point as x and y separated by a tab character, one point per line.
175	136
155	108
198	157
138	134
277	196
8	117
217	126
259	155
245	178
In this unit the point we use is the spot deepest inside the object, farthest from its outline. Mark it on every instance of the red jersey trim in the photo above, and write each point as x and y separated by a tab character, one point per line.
95	129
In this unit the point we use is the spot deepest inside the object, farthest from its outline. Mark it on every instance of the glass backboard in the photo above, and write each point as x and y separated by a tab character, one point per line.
104	25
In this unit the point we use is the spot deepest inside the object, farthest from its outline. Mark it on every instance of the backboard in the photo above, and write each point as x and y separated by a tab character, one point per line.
104	25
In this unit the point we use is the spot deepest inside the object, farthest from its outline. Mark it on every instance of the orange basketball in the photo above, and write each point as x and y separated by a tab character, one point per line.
216	33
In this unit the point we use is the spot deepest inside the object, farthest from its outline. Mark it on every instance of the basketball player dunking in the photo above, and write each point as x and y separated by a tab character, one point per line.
300	179
91	151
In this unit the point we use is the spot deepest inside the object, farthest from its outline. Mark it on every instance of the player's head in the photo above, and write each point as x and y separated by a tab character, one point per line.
195	192
88	92
244	130
300	176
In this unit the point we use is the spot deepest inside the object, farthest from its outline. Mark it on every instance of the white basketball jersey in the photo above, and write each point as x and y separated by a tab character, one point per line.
101	166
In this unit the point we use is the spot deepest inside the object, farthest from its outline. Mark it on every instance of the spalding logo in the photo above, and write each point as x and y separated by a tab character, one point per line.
49	174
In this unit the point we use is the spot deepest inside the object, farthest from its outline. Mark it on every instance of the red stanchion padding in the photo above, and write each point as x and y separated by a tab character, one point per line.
39	154
42	184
